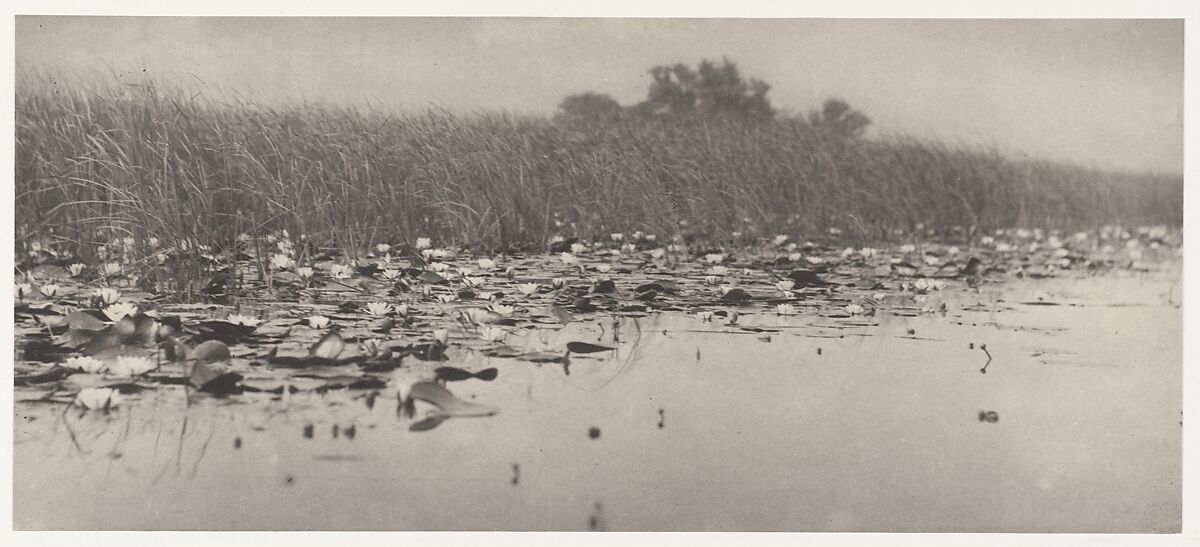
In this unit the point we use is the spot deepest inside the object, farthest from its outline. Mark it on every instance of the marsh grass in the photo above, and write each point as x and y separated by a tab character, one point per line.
101	160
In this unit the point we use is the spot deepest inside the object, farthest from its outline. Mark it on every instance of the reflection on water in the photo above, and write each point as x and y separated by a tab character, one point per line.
801	423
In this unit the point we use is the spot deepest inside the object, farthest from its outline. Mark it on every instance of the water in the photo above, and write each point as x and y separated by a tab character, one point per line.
830	425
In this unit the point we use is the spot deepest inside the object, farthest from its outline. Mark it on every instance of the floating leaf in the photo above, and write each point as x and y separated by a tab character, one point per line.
329	346
448	405
453	374
585	347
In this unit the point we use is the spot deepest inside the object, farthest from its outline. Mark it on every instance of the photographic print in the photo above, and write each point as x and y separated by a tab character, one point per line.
598	274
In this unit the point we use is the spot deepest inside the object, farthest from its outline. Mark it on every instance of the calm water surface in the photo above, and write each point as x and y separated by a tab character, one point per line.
828	425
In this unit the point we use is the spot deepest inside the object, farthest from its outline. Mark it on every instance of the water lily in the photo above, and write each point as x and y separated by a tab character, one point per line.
639	235
382	248
779	240
528	289
854	309
281	261
131	365
795	257
49	290
442	336
243	320
85	363
785	309
510	272
907	248
423	243
318	321
20	290
604	268
651	237
492	334
446	298
932	260
473	282
107	295
658	253
401	310
558	282
714	258
390	274
569	259
110	269
476	316
785	285
75	269
616	237
718	270
116	312
439	267
97	398
987	240
486	264
305	272
341	271
577	248
712	280
378	308
503	310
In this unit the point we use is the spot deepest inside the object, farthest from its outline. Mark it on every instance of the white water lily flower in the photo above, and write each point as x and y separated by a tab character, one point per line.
473	282
528	289
785	309
97	398
85	363
131	365
107	295
725	289
577	248
795	257
932	260
423	243
629	248
341	271
492	334
785	285
446	298
75	269
116	312
854	309
21	290
675	248
908	248
378	308
705	316
651	237
779	240
476	316
49	290
401	310
110	269
867	252
658	253
390	274
558	282
305	272
318	321
604	268
382	248
714	258
486	264
244	320
847	252
503	310
712	280
439	267
616	237
987	240
441	336
952	251
718	270
281	261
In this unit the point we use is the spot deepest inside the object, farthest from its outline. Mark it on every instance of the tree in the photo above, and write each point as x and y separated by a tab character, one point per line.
837	117
712	89
590	105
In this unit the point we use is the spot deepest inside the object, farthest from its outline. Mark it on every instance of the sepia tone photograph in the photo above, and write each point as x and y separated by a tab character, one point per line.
571	274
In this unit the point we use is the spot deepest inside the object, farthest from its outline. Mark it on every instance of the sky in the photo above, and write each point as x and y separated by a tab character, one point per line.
1100	93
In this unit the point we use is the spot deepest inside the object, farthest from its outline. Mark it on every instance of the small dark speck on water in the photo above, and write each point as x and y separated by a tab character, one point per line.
818	351
335	431
912	332
308	431
237	443
289	480
351	432
516	478
989	416
971	345
662	418
594	433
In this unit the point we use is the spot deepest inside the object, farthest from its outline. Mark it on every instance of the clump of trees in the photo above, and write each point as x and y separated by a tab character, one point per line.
712	90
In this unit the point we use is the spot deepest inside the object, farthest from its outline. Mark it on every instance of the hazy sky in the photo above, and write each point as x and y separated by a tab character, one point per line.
1104	93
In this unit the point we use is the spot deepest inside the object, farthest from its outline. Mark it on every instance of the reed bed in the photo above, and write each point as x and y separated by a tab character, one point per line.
101	160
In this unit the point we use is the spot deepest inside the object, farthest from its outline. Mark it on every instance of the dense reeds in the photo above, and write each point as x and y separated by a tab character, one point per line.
103	160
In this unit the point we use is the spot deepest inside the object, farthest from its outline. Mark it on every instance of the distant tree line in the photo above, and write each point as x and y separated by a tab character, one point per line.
711	90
